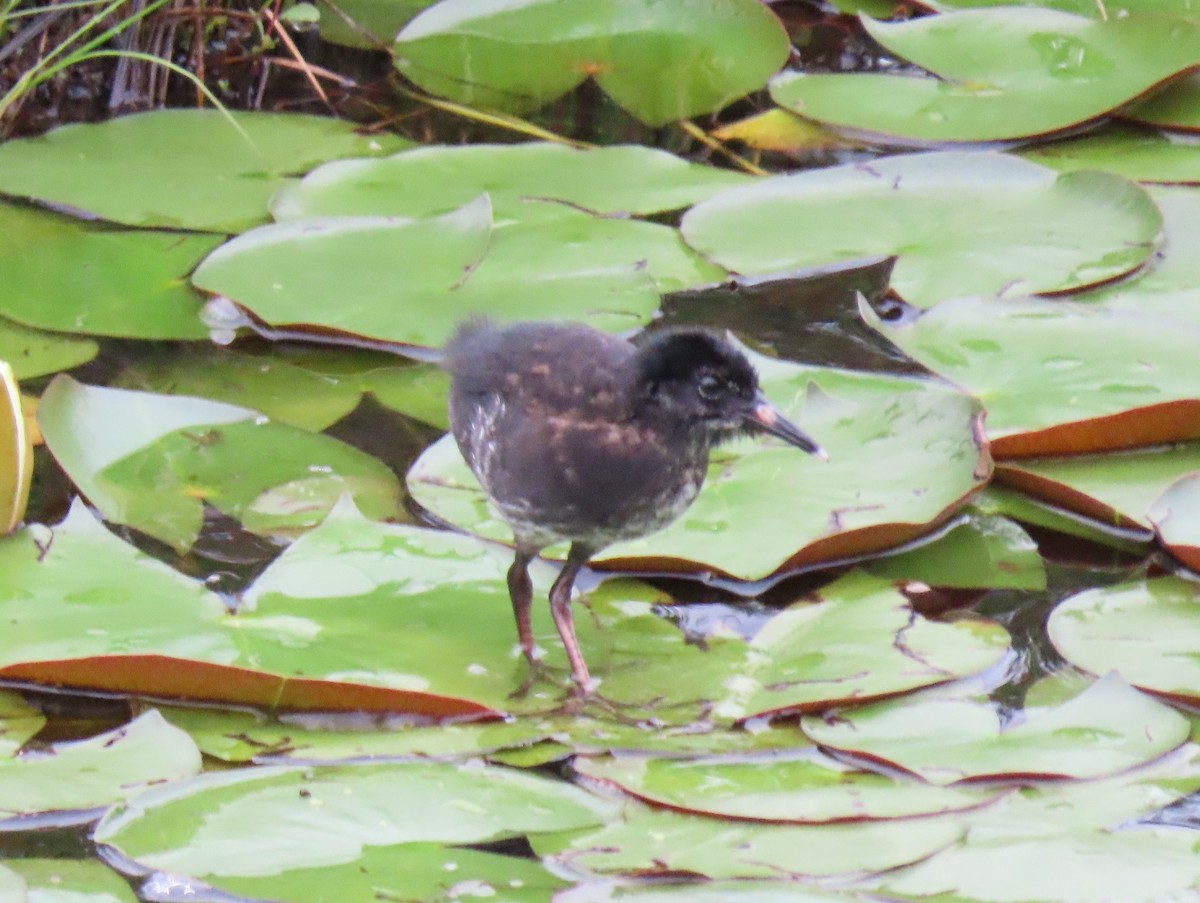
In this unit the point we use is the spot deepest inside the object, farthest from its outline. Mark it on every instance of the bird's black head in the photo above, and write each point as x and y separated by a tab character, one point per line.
705	384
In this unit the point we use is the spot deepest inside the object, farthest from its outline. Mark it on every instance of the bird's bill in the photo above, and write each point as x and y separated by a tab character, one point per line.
765	417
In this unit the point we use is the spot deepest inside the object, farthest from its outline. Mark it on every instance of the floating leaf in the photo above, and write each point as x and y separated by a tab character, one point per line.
375	22
31	352
1141	154
174	454
960	224
835	509
352	274
808	790
1001	73
779	131
1116	489
1053	376
18	722
68	881
1147	630
607	180
661	61
281	825
946	741
1174	517
1175	107
178	169
983	550
65	275
98	771
664	844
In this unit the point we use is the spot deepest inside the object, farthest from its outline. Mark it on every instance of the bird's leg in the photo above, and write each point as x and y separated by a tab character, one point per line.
520	590
560	609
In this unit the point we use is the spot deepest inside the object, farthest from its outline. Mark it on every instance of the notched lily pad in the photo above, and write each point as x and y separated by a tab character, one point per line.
808	790
1061	378
837	509
1142	154
661	844
178	169
271	828
1001	74
351	274
947	741
31	352
1146	629
960	224
104	769
627	179
172	455
1174	515
661	61
66	275
68	881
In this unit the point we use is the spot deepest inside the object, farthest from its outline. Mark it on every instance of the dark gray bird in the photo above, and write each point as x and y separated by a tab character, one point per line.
580	436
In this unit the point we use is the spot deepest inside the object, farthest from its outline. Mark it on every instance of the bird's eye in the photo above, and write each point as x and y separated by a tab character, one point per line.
709	387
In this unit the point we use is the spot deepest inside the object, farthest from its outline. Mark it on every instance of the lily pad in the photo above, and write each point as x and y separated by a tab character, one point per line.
352	274
166	636
31	352
1061	378
946	741
266	383
960	224
1167	285
178	169
98	771
1174	517
836	509
661	61
807	790
376	22
65	275
18	722
1146	629
1120	489
1175	107
1141	154
661	844
1002	73
174	454
68	881
271	829
625	179
983	550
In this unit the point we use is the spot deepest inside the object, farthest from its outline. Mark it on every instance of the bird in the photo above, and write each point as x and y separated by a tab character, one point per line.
581	436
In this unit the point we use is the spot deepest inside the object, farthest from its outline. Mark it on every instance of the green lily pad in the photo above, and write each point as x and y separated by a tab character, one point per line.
18	722
665	844
625	179
999	499
68	881
263	382
1108	9
98	771
31	352
1141	154
178	169
1120	489
1177	106
734	891
278	821
381	20
1146	629
945	741
960	223
1061	378
808	790
984	550
835	509
166	636
661	61
352	274
1167	286
173	454
1002	73
66	275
